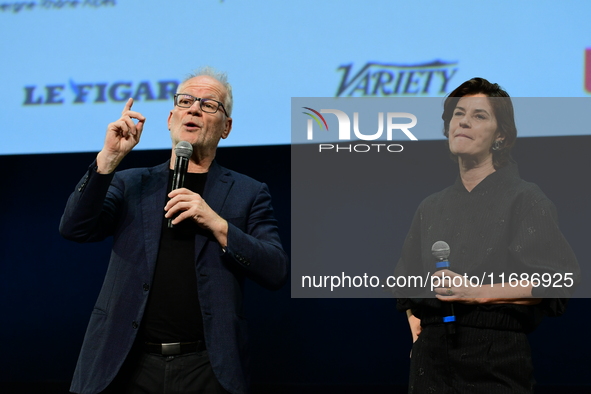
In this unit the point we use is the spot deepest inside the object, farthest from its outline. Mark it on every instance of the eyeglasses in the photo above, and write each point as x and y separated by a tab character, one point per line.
207	105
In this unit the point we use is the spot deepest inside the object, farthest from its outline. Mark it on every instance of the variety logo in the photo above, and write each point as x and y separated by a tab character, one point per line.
384	80
344	130
81	93
588	70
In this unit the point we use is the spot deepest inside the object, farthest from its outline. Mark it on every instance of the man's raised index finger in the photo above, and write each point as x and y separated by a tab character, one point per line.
128	105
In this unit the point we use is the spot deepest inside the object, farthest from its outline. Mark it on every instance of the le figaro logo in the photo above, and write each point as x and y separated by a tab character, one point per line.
98	92
373	142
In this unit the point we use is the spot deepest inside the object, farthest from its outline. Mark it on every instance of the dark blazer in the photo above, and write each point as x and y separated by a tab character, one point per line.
129	206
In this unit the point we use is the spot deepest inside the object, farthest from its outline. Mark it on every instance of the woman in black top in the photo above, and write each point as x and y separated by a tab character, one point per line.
498	226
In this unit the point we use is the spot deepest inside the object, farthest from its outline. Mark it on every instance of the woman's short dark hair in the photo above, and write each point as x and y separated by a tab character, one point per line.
503	112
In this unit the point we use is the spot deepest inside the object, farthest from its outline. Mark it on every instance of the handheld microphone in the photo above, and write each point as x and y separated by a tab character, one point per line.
183	151
440	250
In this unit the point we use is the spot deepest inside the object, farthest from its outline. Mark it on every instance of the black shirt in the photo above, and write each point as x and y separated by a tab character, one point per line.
173	313
504	225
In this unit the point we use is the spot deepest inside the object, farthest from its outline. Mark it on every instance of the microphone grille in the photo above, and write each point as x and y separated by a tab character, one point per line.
440	250
183	149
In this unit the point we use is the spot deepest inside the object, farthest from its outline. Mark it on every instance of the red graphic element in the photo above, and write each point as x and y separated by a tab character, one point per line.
588	70
318	113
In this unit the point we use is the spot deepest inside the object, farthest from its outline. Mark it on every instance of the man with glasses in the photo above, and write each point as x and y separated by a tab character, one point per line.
169	316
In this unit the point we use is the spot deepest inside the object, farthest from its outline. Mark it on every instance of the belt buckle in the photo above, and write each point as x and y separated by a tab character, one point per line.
171	349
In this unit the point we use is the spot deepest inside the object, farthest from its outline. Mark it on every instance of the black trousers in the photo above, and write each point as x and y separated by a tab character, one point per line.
144	373
473	360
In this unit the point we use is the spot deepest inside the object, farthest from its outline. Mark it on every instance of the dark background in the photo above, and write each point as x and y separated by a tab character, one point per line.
48	285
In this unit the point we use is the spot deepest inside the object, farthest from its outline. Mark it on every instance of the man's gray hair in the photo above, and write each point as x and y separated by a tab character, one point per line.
219	76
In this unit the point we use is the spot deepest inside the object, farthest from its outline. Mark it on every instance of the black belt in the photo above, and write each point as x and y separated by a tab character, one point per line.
175	348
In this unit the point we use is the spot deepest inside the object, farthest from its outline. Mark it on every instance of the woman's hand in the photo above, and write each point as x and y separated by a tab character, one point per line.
453	287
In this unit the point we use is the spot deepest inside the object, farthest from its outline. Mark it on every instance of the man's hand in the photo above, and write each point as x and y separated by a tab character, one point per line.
189	205
122	136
